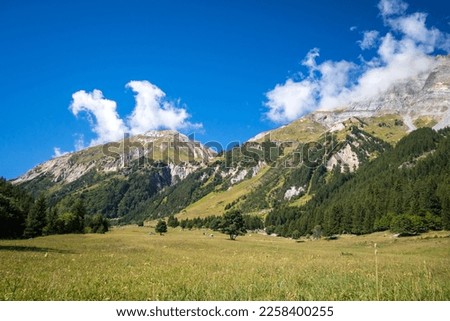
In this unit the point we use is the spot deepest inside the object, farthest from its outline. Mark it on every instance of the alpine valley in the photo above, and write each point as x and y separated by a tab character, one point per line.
372	165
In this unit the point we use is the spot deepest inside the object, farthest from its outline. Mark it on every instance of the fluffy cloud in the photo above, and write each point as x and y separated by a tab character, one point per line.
152	112
295	98
107	124
403	52
290	100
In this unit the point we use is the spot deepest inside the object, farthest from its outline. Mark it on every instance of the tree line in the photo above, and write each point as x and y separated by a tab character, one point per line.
406	190
233	223
23	216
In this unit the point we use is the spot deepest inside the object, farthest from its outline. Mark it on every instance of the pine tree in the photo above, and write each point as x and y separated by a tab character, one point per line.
15	205
444	196
36	219
79	211
172	221
51	219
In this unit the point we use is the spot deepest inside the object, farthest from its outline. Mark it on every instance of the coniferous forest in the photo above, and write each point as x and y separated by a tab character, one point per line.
406	190
23	216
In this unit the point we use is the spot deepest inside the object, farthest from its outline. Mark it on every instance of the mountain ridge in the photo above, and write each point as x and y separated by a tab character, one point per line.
426	95
161	173
114	156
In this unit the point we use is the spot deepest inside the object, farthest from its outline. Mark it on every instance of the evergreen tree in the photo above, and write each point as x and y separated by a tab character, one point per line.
296	235
183	223
52	217
79	211
444	196
36	219
15	204
161	227
172	221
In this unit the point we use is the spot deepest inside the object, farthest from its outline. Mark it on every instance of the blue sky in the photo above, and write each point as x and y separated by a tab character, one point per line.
231	65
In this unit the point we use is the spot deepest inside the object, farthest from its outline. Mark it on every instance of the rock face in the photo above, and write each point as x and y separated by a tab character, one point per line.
427	95
293	191
344	156
171	147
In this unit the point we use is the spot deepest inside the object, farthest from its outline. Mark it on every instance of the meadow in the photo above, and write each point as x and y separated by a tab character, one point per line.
132	263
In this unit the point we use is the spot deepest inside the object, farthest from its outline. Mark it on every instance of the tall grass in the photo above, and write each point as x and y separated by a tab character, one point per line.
376	271
130	264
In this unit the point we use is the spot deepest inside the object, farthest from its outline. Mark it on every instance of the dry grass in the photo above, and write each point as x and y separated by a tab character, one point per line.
425	121
214	203
384	127
302	130
130	264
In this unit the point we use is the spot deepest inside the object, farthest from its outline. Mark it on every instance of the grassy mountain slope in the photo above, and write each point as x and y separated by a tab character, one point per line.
286	166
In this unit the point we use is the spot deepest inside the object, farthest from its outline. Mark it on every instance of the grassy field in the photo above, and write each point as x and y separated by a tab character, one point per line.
214	203
131	264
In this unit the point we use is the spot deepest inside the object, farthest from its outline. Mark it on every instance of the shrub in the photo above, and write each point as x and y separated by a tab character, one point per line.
161	227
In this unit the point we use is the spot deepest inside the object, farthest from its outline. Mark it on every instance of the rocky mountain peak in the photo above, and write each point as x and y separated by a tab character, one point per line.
168	146
426	95
420	101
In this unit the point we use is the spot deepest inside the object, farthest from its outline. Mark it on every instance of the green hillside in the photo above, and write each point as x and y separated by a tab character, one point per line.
405	189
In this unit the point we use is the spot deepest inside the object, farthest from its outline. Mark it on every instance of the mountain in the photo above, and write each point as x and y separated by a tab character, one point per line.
406	189
116	177
163	172
421	101
165	146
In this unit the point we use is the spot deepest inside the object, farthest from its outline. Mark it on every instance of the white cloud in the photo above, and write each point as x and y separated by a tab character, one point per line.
310	59
369	39
290	100
400	60
106	122
152	112
403	52
392	7
293	99
414	28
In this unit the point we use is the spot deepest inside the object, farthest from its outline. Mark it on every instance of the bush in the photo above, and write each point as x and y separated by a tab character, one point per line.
161	227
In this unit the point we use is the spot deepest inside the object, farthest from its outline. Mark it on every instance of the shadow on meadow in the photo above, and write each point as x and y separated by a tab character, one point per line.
19	248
